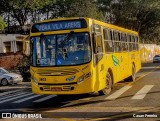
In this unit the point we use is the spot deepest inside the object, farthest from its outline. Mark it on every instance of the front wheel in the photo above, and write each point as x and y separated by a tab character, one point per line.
4	82
108	87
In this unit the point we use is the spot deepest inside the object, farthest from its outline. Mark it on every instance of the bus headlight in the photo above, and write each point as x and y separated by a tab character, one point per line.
35	80
80	79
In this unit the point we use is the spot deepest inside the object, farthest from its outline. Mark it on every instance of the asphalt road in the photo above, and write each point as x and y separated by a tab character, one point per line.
139	100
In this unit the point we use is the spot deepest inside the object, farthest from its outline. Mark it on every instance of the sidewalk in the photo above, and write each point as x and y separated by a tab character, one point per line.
22	85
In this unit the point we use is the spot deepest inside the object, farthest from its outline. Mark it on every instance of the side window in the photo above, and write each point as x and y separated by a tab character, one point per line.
126	42
108	46
111	35
123	37
119	36
136	42
130	43
133	43
108	43
118	44
105	34
99	44
116	36
123	42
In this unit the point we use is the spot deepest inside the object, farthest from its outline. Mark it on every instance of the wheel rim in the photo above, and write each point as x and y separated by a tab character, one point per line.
107	89
108	81
4	82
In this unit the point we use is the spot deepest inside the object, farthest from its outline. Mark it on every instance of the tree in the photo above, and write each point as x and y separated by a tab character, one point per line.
84	8
77	8
139	15
15	9
22	10
2	24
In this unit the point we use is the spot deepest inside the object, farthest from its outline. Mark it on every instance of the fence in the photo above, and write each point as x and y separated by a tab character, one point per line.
148	51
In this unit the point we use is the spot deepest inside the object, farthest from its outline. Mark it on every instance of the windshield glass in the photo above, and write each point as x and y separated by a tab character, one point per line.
3	71
56	50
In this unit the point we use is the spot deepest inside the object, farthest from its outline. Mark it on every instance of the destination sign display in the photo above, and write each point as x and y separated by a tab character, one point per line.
58	25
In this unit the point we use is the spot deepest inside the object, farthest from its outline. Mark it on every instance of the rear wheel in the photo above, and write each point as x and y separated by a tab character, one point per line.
133	76
108	87
4	82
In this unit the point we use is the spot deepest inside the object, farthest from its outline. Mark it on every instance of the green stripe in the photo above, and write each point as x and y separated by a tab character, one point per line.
115	60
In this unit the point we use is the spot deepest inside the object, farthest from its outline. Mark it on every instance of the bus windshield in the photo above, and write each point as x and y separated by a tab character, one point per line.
53	50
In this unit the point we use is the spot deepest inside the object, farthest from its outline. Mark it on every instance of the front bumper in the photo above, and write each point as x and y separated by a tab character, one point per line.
15	81
62	89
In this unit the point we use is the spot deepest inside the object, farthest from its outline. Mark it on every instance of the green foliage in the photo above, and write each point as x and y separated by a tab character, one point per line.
2	24
77	8
83	8
21	9
39	4
139	15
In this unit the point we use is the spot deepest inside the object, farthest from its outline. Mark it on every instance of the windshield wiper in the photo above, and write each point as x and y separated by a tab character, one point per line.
67	38
64	51
42	37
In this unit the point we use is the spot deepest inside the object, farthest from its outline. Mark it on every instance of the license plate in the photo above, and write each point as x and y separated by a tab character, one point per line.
56	89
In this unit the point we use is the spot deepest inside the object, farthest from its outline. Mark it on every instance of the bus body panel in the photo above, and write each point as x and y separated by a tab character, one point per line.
68	82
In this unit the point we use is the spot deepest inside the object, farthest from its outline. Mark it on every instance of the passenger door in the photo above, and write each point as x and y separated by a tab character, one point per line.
98	57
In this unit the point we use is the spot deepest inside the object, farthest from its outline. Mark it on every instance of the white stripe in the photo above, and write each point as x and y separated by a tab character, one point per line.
86	99
142	93
8	92
45	98
12	95
25	99
118	93
15	98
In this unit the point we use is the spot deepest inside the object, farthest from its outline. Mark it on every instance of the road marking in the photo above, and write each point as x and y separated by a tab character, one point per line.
143	75
15	97
89	98
152	67
142	93
28	98
12	95
8	92
45	98
118	93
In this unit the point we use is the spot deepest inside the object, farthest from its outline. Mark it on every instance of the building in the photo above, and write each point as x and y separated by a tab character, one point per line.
12	38
9	43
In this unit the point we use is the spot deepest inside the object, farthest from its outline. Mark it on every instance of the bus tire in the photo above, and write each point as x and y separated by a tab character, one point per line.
108	87
133	76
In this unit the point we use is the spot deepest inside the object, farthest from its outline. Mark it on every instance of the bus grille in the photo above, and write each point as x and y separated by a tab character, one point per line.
57	72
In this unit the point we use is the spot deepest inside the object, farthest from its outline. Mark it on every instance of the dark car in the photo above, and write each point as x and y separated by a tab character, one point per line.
156	59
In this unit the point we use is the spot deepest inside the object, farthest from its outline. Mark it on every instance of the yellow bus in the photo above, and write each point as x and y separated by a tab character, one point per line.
81	55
